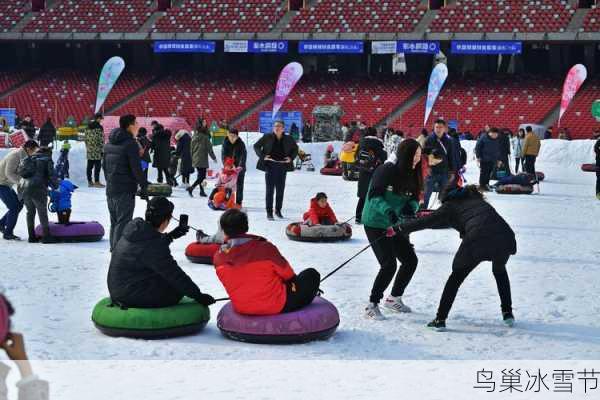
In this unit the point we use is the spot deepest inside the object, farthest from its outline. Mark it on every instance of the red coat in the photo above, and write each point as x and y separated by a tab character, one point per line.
316	213
254	275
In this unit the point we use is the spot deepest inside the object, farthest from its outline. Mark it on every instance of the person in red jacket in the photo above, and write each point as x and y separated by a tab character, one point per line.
320	213
258	280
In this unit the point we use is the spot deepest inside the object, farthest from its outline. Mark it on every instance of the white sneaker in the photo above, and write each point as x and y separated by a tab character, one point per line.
372	312
396	304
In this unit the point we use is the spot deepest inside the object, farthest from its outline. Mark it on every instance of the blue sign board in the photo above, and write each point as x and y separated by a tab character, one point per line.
184	46
417	47
486	47
9	114
265	121
267	46
330	46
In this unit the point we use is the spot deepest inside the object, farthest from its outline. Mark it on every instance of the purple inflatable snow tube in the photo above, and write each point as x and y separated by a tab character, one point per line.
318	321
75	231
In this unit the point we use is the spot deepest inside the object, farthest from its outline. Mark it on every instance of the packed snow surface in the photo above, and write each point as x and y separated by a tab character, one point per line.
555	276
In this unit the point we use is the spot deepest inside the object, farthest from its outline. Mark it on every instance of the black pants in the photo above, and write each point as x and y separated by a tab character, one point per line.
95	166
529	166
518	161
462	266
359	208
302	290
64	217
120	207
185	179
201	176
239	190
275	174
168	178
37	203
505	163
486	168
597	178
154	295
388	250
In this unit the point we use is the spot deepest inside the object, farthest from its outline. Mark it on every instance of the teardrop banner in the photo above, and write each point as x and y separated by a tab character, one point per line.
575	78
289	76
108	77
436	81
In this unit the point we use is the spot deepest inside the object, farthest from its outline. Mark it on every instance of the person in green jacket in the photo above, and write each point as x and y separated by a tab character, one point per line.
201	149
393	193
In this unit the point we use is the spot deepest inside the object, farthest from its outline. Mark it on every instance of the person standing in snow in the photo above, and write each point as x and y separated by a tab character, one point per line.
202	148
531	149
145	145
184	152
516	143
486	236
369	155
47	133
123	173
161	148
487	151
504	154
438	148
276	153
395	186
234	147
94	144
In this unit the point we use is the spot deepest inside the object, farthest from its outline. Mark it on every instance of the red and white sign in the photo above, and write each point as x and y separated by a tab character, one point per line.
575	78
18	138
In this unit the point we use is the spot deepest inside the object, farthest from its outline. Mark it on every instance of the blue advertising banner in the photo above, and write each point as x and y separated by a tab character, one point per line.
268	46
417	47
265	122
330	46
184	46
486	47
9	114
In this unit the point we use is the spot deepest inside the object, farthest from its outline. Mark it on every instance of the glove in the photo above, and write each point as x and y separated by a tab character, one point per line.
144	193
205	299
200	235
178	232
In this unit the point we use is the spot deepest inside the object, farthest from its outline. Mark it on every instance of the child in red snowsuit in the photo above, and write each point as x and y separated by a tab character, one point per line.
226	183
320	213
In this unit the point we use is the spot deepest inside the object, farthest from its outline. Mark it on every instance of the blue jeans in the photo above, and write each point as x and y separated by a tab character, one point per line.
434	183
14	205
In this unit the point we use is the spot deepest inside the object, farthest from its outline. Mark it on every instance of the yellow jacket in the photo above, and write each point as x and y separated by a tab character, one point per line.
532	145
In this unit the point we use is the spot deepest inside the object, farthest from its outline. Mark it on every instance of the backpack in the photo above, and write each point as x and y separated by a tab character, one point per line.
367	160
26	168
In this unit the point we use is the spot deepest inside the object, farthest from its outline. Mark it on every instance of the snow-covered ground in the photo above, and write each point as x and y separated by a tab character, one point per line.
555	277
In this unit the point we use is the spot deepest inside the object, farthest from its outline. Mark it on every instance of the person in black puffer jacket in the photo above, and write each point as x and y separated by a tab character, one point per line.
373	155
34	191
142	271
234	147
123	173
487	151
47	133
486	236
161	147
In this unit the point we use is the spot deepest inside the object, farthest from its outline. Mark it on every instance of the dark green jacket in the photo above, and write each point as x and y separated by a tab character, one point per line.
382	202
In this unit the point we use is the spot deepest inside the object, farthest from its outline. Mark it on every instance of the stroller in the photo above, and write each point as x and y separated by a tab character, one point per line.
304	160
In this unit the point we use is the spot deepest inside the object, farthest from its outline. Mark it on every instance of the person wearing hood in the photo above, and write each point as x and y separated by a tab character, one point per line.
201	149
369	155
37	174
123	174
94	144
257	278
184	152
161	147
9	177
47	133
487	151
485	235
142	271
394	188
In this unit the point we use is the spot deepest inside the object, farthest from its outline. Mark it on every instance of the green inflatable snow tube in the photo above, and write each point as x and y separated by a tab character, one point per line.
186	318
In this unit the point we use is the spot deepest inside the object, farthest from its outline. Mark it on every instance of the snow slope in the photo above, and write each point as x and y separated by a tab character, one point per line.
555	277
